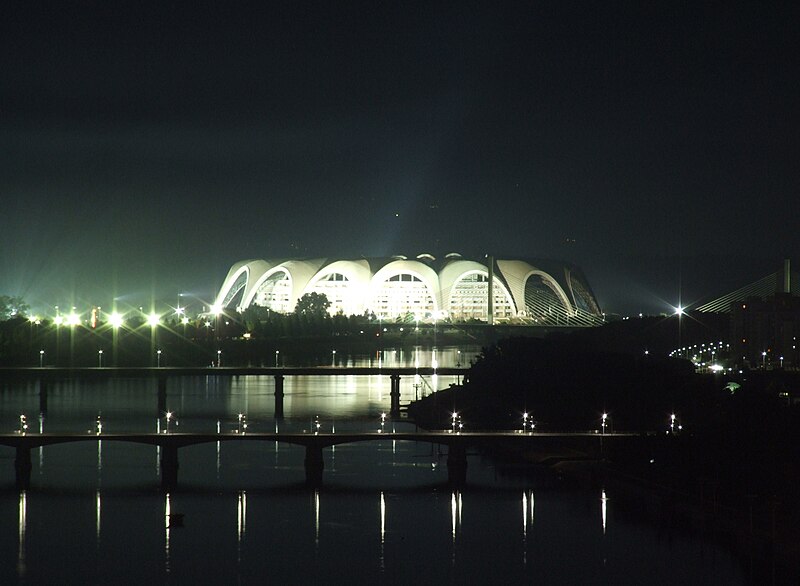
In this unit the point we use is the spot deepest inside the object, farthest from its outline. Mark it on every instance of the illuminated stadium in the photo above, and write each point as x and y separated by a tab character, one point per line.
423	288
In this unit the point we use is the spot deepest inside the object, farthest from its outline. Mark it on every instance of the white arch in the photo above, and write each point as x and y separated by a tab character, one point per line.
517	273
358	282
406	267
457	270
299	272
230	280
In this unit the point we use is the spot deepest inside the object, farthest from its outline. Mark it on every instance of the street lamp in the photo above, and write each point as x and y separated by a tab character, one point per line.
454	417
333	358
764	361
219	358
99	358
603	423
276	357
41	358
158	358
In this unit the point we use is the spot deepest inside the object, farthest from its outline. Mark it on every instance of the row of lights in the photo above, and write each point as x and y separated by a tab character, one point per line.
528	424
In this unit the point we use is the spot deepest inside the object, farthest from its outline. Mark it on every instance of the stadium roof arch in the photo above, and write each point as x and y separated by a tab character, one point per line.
526	291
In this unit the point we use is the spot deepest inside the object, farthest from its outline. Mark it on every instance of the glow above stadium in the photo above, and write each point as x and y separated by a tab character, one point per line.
423	288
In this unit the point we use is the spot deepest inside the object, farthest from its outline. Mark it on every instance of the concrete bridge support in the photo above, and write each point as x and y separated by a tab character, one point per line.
22	466
162	395
315	464
42	396
394	395
457	465
169	466
279	396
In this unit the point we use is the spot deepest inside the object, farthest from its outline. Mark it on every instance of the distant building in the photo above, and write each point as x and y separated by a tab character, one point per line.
764	329
423	288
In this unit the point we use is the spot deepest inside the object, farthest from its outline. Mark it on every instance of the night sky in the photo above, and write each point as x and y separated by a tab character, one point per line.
146	148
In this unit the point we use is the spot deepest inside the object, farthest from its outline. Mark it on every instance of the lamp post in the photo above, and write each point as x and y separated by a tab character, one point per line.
763	361
41	358
158	358
99	358
219	358
603	422
277	352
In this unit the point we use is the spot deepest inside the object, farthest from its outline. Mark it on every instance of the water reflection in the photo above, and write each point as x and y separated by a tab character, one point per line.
280	520
455	512
316	521
22	527
167	515
41	448
97	517
241	516
383	532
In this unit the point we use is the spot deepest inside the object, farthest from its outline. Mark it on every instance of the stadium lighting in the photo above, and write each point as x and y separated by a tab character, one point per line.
116	320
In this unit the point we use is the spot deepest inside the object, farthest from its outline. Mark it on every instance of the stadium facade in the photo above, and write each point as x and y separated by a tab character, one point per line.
422	288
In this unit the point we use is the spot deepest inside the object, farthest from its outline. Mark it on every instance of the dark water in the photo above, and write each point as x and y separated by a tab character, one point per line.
95	513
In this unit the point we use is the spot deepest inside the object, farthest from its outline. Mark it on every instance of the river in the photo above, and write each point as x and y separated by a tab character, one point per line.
242	515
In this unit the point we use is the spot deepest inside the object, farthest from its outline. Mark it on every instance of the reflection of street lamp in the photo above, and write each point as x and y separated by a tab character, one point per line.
219	358
158	358
333	358
99	358
763	360
41	358
277	352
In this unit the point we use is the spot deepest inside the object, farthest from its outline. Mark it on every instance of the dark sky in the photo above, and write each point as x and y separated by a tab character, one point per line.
145	148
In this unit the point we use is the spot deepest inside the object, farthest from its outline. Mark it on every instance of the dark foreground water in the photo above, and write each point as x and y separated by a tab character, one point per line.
95	513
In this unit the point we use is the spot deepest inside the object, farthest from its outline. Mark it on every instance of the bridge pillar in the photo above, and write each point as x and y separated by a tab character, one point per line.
394	395
169	466
42	396
162	395
315	464
457	464
22	466
279	396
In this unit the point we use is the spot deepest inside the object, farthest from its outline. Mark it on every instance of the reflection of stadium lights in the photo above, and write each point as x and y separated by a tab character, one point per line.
74	319
58	320
153	319
216	309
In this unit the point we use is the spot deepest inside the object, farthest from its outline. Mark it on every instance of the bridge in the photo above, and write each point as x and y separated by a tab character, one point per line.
457	444
47	375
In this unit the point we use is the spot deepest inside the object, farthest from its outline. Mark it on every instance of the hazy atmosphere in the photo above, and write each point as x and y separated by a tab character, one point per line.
145	148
